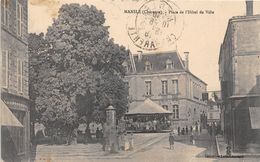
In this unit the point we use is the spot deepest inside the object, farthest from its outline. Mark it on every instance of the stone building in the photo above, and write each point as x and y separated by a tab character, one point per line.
214	107
239	71
165	79
14	78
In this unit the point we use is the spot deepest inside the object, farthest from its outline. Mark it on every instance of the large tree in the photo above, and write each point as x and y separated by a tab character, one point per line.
83	73
36	47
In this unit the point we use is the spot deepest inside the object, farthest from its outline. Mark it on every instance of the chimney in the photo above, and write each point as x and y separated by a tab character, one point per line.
249	7
139	55
186	60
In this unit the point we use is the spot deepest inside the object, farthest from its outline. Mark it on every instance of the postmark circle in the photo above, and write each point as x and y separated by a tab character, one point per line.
156	25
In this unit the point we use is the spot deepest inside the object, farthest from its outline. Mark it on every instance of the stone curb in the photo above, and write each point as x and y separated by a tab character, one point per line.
235	155
218	151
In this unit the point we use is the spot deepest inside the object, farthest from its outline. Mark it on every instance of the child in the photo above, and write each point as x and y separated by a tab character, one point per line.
171	140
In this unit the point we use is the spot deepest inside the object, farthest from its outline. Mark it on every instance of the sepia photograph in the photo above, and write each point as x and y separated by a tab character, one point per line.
130	81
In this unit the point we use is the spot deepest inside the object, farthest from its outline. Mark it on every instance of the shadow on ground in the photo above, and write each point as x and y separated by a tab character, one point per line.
203	140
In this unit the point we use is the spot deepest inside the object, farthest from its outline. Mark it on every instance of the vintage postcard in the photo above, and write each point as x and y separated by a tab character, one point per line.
130	80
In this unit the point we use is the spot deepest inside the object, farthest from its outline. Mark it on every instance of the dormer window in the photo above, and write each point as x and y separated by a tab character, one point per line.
169	64
125	65
148	66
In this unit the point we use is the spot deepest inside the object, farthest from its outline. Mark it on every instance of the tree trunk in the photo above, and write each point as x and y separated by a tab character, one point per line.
72	137
87	134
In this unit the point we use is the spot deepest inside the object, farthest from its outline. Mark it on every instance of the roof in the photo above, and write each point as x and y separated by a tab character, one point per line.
148	107
158	61
245	18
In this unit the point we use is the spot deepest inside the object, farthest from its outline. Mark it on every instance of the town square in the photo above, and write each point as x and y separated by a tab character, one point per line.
130	80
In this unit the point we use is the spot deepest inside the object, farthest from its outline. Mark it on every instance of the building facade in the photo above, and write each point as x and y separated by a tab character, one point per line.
165	79
239	71
214	107
14	79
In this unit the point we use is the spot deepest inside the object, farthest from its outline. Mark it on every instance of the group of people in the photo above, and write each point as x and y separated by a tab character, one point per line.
172	138
186	130
145	126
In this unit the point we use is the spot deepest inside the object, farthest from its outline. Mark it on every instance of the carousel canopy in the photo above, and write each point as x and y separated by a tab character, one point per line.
148	107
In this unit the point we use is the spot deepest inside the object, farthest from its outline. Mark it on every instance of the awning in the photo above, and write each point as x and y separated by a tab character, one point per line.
148	107
7	117
254	117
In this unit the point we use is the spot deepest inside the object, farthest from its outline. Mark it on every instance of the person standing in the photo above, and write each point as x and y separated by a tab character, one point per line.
183	131
192	140
179	131
171	141
98	134
187	130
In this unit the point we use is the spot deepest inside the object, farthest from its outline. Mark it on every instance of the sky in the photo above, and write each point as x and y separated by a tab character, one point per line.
201	34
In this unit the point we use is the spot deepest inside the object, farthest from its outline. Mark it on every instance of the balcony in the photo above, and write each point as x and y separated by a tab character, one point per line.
170	96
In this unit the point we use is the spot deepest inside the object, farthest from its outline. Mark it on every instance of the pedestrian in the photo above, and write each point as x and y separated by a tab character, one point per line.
131	141
191	129
187	130
210	130
171	140
182	131
179	131
98	134
192	140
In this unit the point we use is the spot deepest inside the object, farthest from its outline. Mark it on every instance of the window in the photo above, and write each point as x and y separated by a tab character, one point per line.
19	18
164	87
175	86
148	87
148	66
19	75
5	63
175	111
169	64
126	68
125	65
165	107
5	12
210	115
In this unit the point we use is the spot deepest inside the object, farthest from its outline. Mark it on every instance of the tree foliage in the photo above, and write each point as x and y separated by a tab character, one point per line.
79	71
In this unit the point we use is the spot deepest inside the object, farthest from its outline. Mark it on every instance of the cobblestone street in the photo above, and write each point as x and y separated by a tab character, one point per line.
152	147
148	147
92	151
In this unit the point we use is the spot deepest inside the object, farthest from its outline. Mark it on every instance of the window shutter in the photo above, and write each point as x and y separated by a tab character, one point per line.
5	63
